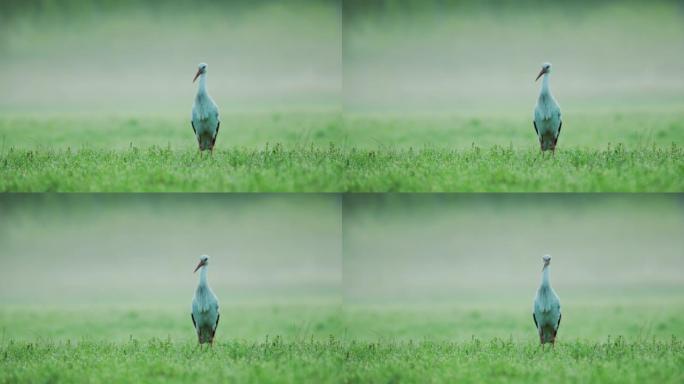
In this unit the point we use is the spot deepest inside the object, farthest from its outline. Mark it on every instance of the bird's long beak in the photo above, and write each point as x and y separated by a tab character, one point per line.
199	72
201	263
540	74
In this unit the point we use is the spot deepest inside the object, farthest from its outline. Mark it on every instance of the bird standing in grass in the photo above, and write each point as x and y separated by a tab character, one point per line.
205	115
547	115
205	307
546	313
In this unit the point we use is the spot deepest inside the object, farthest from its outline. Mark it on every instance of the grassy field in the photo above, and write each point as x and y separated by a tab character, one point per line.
633	341
493	340
260	343
322	152
388	96
328	288
333	361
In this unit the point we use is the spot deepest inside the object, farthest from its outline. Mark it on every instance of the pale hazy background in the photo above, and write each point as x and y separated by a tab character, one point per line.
142	249
354	266
483	56
478	249
85	56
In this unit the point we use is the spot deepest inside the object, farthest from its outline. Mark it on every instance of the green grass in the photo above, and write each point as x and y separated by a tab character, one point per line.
635	340
161	169
333	169
500	360
334	361
164	361
323	152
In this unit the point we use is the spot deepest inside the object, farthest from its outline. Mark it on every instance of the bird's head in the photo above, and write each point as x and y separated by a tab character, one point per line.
201	68
204	260
546	68
547	260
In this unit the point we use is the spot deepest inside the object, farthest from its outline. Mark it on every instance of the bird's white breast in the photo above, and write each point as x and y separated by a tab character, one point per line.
204	109
204	301
547	108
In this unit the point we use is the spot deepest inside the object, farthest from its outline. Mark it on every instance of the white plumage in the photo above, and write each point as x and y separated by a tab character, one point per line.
547	114
205	306
546	312
205	114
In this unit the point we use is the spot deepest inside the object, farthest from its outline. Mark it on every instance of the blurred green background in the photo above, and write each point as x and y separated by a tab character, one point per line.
453	74
114	266
483	56
457	266
127	57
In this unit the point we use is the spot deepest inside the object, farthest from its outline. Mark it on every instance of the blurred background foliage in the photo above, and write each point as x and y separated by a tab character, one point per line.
464	56
482	248
77	56
142	248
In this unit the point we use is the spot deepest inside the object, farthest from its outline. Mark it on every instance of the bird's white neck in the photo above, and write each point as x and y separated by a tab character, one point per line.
202	85
545	277
203	276
545	86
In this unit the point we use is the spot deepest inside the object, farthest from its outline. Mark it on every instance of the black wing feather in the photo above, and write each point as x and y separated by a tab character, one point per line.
535	127
193	320
535	320
193	127
560	316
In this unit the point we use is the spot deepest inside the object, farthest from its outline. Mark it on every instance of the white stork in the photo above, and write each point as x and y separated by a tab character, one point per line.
205	307
205	115
547	115
546	312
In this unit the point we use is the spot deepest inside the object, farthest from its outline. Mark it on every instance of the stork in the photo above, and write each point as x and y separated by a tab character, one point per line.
547	115
205	115
546	312
205	307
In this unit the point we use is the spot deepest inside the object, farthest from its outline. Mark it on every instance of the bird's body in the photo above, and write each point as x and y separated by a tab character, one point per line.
547	114
205	307
546	312
205	114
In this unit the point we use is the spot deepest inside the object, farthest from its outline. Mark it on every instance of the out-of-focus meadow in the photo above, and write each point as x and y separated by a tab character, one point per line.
441	287
456	74
138	58
110	75
108	267
102	78
115	75
98	287
482	57
461	266
441	76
